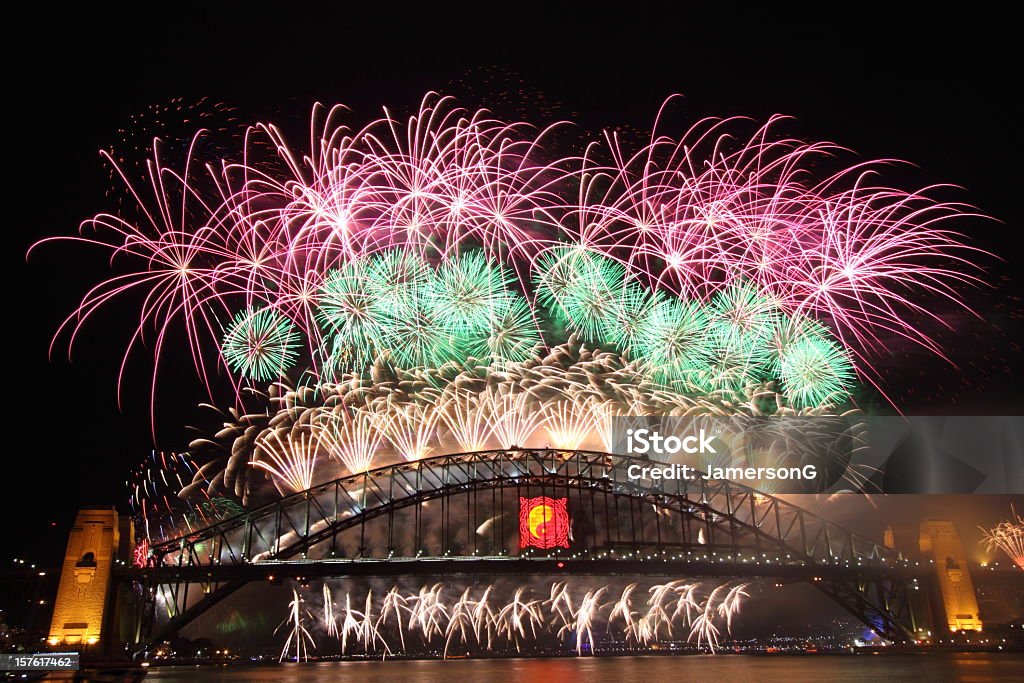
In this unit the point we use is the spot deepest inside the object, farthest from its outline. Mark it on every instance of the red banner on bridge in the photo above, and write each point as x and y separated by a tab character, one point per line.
543	522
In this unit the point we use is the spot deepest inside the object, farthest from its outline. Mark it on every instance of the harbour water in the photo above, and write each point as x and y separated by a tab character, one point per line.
934	668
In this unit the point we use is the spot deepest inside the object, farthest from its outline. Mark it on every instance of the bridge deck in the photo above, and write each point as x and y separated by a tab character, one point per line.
512	566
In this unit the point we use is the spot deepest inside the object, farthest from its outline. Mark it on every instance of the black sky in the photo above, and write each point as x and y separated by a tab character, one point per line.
940	90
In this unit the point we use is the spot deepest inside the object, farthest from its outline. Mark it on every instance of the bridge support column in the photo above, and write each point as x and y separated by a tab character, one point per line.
81	612
941	544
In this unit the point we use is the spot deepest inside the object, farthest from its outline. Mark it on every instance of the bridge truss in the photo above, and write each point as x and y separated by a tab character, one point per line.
458	514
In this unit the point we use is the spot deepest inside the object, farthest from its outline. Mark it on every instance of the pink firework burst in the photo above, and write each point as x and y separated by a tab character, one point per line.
174	258
697	214
688	216
440	180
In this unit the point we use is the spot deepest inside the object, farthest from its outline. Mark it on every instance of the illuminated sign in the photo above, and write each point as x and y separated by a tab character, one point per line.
543	522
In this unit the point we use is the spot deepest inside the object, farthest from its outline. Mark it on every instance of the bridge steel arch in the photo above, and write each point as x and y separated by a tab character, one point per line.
669	527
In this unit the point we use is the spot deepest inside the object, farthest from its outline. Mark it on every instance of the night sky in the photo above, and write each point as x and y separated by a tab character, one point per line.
939	91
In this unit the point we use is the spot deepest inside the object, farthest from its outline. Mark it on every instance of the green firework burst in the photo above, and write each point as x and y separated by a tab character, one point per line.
358	325
511	333
260	344
790	329
554	275
397	278
672	343
625	323
423	339
814	372
466	290
583	288
738	339
742	311
734	359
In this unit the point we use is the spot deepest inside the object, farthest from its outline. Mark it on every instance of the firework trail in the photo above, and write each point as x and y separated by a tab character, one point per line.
298	636
169	495
565	399
428	612
330	621
361	626
730	605
716	259
585	618
474	618
517	616
290	459
480	620
394	604
623	609
703	627
1007	536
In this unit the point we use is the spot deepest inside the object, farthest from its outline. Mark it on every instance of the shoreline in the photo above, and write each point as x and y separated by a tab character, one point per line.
851	652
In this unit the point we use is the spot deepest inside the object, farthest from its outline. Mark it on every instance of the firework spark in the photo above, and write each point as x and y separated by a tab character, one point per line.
481	620
299	637
445	236
1007	536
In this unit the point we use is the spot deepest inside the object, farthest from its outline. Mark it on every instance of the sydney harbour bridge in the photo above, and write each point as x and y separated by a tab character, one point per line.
464	516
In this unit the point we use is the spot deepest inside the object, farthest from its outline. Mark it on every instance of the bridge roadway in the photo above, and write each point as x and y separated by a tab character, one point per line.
513	566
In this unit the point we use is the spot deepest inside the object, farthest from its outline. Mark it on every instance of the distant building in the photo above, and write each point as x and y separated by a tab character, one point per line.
1000	594
941	544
